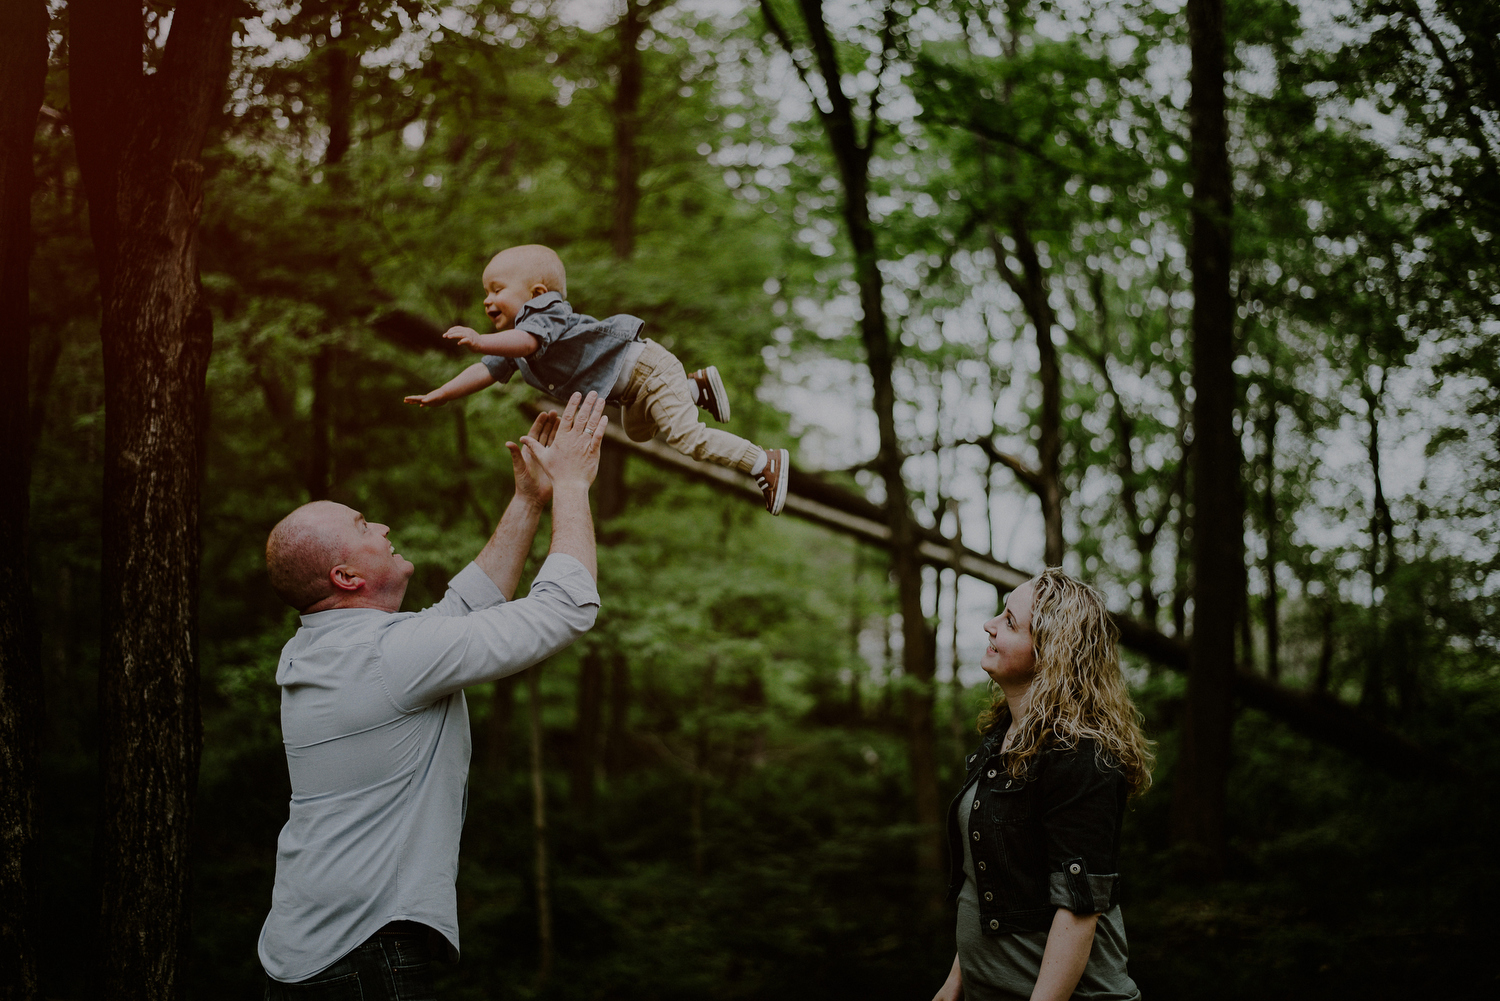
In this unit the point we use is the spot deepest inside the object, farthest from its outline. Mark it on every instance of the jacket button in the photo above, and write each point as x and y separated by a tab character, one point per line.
989	896
972	757
1009	783
976	835
981	867
994	924
991	773
975	806
1075	868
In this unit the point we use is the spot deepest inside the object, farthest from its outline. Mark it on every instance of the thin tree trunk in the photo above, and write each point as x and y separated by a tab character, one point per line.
497	732
586	733
23	73
619	716
1203	769
1269	514
539	827
918	654
626	108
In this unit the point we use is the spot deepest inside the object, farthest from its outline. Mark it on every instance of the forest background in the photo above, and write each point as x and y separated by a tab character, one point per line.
944	251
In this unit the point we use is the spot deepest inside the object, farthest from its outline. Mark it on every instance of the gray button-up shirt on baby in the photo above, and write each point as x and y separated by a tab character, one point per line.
377	743
575	353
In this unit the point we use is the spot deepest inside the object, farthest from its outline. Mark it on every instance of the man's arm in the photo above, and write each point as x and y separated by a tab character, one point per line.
503	557
470	380
572	460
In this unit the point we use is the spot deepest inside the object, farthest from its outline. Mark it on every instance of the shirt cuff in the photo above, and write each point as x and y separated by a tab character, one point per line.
1080	891
476	589
572	576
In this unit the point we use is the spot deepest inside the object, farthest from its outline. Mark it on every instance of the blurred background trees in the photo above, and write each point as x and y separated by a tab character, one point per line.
944	249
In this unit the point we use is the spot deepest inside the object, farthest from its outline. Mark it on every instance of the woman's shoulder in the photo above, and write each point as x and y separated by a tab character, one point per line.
1083	757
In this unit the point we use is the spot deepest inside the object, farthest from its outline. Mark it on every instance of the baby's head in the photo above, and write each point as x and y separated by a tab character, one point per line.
518	274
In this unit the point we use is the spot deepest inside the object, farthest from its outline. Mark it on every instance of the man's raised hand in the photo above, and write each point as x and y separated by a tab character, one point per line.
571	458
532	482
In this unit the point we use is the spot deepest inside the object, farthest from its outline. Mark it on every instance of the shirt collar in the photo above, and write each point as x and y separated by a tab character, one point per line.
543	301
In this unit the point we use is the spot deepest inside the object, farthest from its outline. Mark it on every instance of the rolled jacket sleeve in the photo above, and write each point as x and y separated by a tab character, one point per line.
474	635
1082	800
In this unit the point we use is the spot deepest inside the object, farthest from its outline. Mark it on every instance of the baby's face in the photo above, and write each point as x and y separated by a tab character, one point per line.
505	292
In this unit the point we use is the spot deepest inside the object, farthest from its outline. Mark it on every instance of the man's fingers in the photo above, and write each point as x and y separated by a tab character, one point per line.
571	410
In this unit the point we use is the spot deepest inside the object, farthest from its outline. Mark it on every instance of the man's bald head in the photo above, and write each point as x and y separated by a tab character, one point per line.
301	550
531	264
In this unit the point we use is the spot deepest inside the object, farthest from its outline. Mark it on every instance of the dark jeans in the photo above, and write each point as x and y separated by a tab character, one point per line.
389	966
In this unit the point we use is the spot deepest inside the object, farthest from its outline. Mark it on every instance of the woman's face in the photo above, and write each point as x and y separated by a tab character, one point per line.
1009	658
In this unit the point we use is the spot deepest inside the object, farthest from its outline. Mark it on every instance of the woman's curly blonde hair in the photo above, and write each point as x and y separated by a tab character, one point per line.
1078	691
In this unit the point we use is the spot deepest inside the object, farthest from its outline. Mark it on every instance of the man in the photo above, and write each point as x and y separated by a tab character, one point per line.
374	722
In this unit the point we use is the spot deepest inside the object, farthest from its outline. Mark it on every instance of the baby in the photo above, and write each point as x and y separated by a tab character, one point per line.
561	352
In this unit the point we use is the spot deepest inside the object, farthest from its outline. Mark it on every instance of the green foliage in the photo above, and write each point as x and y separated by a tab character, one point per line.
750	833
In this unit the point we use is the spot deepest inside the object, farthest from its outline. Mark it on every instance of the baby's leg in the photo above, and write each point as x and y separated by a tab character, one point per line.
667	396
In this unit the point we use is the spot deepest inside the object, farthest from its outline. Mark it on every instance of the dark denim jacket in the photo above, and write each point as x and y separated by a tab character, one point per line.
576	353
1049	840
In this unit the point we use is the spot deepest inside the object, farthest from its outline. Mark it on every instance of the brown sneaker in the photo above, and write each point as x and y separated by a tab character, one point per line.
773	479
711	395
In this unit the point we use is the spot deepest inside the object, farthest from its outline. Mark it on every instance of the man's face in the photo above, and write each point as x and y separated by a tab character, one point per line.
369	557
505	292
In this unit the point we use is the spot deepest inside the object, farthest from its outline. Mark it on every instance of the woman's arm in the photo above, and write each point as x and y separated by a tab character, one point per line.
1068	945
953	987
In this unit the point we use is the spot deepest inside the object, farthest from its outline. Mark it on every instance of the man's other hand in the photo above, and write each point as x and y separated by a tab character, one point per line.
571	459
532	482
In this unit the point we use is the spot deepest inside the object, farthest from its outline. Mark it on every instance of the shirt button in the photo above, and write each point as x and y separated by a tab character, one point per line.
1075	868
976	835
551	386
991	773
975	806
989	896
981	867
972	757
994	924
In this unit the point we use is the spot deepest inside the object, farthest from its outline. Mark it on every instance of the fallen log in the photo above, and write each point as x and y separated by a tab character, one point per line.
1319	716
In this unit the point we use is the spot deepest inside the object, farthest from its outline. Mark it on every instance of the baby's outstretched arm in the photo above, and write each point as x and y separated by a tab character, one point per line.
470	380
506	343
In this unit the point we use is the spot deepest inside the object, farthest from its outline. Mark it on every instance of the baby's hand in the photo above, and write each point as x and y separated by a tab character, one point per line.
431	399
464	336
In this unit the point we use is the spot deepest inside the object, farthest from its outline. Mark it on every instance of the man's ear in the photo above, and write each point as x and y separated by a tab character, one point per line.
540	288
345	579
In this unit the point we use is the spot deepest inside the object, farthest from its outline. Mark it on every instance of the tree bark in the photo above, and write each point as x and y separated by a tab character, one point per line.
1203	769
139	139
23	74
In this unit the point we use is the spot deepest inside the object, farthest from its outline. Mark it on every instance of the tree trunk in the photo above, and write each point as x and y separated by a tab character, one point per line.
139	140
626	108
1203	769
619	715
23	74
919	649
1270	609
586	733
539	828
497	732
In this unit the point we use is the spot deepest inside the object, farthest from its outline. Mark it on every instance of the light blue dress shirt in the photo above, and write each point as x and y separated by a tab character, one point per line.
377	743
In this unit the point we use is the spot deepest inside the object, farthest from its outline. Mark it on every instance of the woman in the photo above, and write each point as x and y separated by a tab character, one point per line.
1035	831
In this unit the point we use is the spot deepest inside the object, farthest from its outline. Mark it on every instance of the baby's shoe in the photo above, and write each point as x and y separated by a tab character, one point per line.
773	479
711	395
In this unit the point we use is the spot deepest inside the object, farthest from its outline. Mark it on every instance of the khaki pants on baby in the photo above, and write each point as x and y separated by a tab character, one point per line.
659	398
